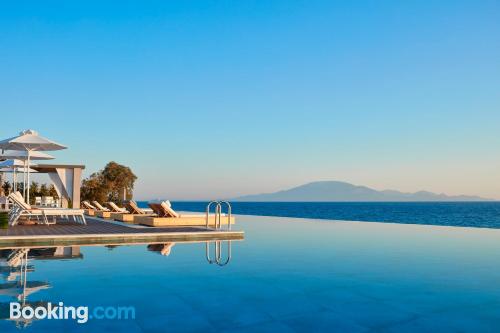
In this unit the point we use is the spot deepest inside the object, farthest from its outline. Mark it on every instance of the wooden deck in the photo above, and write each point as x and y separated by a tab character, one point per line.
101	232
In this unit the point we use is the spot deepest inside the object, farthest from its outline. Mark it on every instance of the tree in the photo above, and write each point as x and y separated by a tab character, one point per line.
109	184
44	191
119	179
94	188
20	187
34	191
52	191
6	186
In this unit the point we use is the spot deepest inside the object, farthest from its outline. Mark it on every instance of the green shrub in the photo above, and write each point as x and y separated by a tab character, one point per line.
4	220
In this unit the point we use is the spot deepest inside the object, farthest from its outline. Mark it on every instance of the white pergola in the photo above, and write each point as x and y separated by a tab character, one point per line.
66	179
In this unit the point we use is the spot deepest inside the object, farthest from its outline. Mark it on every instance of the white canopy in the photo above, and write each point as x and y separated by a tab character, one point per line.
23	155
16	170
29	141
12	164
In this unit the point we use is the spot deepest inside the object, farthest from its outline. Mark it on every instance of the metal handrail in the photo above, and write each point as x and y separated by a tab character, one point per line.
218	225
218	214
229	209
208	213
218	253
207	253
228	253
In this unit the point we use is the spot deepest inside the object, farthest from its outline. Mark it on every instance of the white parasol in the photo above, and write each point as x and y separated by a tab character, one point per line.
29	141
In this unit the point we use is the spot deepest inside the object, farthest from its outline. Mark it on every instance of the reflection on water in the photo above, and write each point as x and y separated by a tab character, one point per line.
16	265
164	249
15	268
218	256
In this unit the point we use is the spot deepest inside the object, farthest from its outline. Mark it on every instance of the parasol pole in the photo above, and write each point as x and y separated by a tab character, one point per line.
24	180
28	178
14	180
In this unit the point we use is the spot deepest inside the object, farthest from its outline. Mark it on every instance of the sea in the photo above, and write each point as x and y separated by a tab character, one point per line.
461	214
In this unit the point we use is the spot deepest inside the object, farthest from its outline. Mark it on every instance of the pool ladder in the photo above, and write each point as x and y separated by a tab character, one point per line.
218	214
217	259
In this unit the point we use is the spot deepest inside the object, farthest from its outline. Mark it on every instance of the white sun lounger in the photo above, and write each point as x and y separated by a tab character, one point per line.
167	216
115	209
99	206
88	208
87	205
21	209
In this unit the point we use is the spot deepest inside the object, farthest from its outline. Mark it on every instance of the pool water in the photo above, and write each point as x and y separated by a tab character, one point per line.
288	275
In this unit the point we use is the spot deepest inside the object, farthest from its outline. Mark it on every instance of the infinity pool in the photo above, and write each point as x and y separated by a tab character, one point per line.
288	275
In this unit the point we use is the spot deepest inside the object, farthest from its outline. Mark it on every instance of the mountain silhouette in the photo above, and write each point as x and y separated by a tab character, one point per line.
342	191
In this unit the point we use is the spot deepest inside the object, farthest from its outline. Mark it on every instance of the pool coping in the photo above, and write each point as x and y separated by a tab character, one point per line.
108	237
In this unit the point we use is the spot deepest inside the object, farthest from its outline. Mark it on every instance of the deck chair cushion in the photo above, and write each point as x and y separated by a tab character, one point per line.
156	208
19	200
133	208
167	208
162	209
87	205
115	208
99	206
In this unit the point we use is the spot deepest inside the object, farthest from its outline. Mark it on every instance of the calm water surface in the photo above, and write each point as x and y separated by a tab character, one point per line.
465	214
288	275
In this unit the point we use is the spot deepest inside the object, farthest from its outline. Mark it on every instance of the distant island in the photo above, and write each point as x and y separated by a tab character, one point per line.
345	192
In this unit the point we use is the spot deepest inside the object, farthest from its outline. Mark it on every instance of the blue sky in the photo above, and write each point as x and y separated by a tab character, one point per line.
207	99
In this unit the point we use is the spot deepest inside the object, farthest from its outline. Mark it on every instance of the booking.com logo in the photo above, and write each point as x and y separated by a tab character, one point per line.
61	312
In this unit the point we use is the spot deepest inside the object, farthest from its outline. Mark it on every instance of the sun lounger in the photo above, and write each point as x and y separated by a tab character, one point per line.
99	206
132	212
48	202
166	216
88	208
114	208
132	207
102	211
23	209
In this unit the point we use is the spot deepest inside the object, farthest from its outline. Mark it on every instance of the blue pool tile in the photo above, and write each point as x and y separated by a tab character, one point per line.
176	323
98	326
162	304
429	302
269	327
334	296
230	306
226	317
286	307
372	314
444	322
325	321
